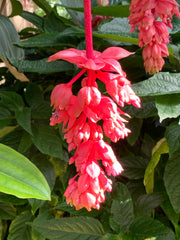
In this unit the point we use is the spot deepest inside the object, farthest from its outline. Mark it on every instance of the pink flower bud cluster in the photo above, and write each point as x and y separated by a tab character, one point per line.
86	116
152	18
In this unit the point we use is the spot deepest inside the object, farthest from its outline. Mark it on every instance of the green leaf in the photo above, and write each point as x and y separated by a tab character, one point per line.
6	198
173	138
23	118
42	66
134	166
7	211
12	101
117	30
34	19
168	106
172	180
19	229
160	148
17	8
41	110
53	23
114	11
160	84
148	109
33	94
121	210
25	142
19	177
147	228
9	35
4	113
134	125
81	228
146	203
47	141
13	138
44	5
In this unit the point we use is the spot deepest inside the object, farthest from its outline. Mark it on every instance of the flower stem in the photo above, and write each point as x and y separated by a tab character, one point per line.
76	77
88	28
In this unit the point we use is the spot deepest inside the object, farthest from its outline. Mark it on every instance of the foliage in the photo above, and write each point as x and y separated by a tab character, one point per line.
145	202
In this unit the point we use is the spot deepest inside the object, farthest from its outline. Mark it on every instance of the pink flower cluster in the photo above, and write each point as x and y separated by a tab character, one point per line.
81	116
152	18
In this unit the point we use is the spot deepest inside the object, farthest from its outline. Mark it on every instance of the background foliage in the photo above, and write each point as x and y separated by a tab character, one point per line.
145	202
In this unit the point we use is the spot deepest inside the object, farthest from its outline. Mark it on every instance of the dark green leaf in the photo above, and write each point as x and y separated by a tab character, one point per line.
19	229
49	40
17	8
160	84
134	125
47	141
42	66
134	166
25	142
53	24
9	35
168	106
4	113
19	177
34	19
173	138
81	228
33	94
148	228
172	180
44	5
23	118
122	210
12	101
41	110
7	211
7	198
146	203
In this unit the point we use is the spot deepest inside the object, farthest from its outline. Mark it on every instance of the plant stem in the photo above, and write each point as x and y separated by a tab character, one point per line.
88	28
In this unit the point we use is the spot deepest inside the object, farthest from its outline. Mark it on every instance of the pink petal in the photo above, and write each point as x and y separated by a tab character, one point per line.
71	55
93	170
115	53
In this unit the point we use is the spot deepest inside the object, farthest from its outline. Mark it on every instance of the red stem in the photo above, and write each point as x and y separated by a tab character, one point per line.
88	28
76	77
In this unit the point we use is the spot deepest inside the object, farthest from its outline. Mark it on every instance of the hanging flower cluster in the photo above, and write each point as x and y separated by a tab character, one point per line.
152	18
81	115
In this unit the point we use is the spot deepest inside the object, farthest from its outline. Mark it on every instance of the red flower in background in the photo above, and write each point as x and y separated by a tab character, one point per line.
152	18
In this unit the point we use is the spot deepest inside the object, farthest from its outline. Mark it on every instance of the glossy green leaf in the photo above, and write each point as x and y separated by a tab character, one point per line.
121	210
168	106
160	84
145	228
17	8
9	35
134	125
7	198
25	142
160	148
173	138
81	228
42	66
19	177
47	141
7	211
19	229
172	180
